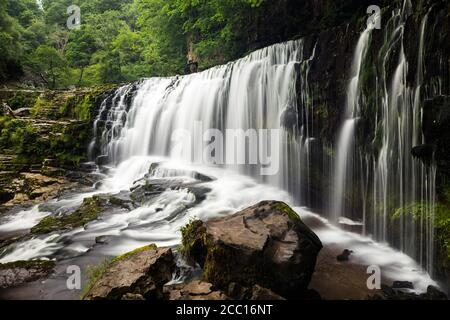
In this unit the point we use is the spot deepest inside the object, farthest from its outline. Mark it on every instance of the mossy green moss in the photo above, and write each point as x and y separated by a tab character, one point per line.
39	105
32	142
441	216
94	274
23	99
80	107
88	211
44	265
283	207
136	251
77	104
190	233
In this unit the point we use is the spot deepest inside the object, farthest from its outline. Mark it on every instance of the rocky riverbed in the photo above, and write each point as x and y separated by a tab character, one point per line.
265	252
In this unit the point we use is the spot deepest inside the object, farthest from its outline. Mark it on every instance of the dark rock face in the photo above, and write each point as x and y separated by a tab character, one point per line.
289	119
135	275
434	293
345	256
402	285
424	153
392	293
102	160
20	272
266	244
257	292
436	129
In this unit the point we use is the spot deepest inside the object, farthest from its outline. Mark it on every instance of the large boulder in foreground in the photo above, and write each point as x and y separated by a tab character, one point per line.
142	273
266	245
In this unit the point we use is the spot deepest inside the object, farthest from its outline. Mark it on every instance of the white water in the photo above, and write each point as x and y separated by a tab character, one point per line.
343	164
390	178
160	220
399	179
345	145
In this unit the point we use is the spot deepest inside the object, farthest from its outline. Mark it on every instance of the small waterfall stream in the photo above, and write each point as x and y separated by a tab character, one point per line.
345	146
399	179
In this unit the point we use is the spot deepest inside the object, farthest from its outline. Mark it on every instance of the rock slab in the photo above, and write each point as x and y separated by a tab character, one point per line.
266	244
135	274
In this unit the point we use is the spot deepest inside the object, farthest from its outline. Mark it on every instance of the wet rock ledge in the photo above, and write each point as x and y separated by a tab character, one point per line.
264	252
20	272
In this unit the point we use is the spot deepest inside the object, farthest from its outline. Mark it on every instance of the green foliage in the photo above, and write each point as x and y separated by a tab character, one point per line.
416	210
440	214
78	107
94	274
129	39
20	138
120	40
10	31
132	253
22	100
283	207
190	234
50	63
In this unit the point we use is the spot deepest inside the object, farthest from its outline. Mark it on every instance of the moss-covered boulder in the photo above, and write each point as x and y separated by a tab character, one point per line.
266	244
79	104
142	272
87	212
20	272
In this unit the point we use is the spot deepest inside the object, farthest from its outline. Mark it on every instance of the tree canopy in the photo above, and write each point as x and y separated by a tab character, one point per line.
124	40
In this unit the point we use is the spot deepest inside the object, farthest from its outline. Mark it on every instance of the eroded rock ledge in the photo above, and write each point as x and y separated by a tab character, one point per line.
20	272
266	245
137	275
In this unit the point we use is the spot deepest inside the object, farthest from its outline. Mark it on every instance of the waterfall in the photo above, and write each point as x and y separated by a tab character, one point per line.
400	181
257	92
345	145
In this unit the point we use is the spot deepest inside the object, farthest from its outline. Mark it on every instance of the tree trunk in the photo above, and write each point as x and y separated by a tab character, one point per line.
81	76
52	72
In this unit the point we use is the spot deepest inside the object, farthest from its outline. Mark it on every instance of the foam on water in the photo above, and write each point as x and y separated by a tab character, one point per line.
160	220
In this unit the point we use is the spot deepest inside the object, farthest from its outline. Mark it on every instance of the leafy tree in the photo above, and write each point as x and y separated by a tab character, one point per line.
123	40
80	50
25	11
9	43
50	64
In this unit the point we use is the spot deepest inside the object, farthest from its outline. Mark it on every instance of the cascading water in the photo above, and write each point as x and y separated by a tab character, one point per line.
345	146
256	93
400	181
391	180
